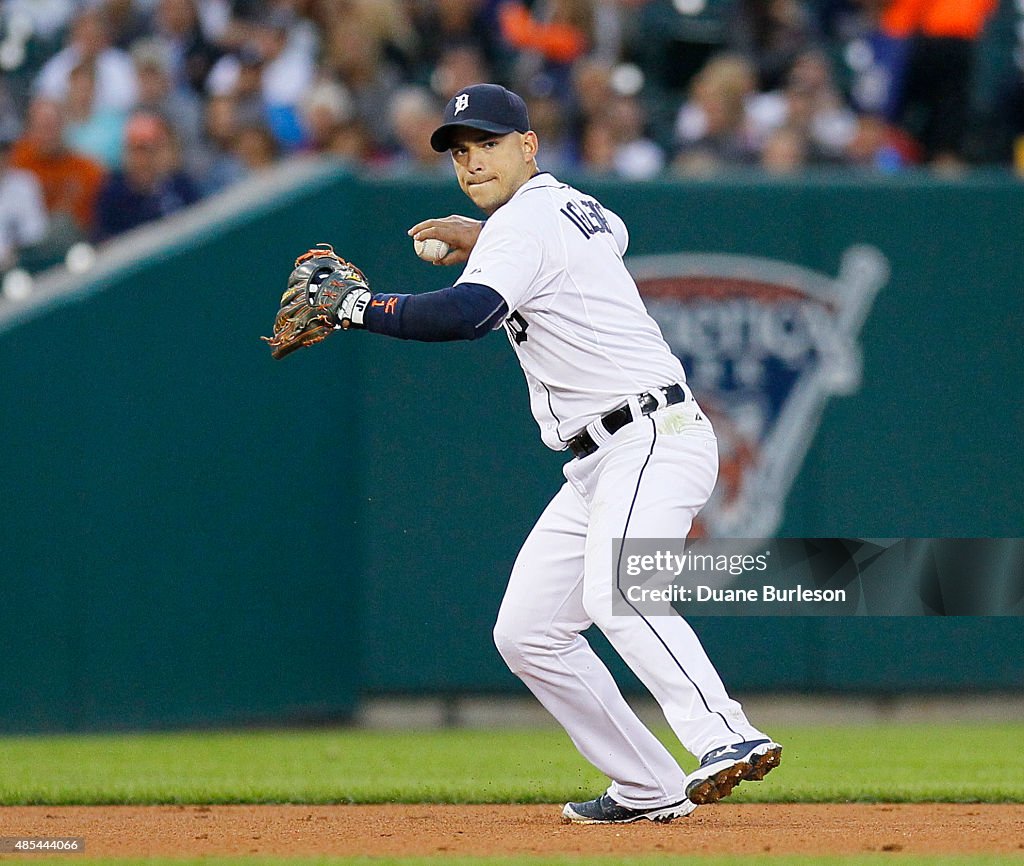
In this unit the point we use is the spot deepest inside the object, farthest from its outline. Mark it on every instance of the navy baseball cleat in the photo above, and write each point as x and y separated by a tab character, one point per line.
604	810
723	769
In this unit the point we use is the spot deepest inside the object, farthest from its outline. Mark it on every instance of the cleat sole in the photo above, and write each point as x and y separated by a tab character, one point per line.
721	784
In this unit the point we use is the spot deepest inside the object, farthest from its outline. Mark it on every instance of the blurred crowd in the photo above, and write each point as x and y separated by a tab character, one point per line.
117	112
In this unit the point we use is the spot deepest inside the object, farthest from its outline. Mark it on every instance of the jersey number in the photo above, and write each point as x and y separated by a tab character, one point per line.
516	327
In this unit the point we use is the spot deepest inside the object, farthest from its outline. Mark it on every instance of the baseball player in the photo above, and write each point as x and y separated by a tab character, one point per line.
546	265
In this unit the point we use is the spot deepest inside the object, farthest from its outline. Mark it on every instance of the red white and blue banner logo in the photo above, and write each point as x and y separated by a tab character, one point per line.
765	344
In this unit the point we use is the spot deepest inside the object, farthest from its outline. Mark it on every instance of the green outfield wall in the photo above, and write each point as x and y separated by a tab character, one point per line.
193	534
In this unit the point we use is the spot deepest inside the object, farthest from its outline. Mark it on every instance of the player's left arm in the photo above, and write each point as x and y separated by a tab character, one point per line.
467	311
326	293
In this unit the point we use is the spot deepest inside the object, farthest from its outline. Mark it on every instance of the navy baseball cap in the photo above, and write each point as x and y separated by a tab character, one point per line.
489	107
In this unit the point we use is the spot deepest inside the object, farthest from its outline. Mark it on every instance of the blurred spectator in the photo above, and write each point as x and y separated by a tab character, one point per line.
270	75
70	181
1001	90
47	19
216	165
636	157
150	185
597	148
351	144
222	22
23	219
874	61
288	72
558	31
442	26
256	148
611	126
936	90
324	110
356	53
92	129
303	31
609	29
240	76
458	66
558	153
711	129
771	33
671	41
10	120
592	89
839	20
879	145
115	87
785	151
808	101
127	20
188	54
385	27
612	85
414	116
550	37
157	93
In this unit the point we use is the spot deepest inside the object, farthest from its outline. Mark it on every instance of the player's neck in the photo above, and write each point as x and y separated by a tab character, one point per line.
529	177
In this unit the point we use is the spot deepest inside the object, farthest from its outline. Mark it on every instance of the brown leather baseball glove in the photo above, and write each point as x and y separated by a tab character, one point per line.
323	290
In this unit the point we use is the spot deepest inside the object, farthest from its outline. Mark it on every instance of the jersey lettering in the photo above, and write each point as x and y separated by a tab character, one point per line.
515	326
587	216
597	212
578	326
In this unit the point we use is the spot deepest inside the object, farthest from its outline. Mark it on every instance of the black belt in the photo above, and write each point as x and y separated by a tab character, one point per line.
583	443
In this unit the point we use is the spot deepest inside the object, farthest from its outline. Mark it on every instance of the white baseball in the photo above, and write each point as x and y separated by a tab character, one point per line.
431	250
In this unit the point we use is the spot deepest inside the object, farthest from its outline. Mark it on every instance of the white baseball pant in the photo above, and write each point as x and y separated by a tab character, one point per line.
648	480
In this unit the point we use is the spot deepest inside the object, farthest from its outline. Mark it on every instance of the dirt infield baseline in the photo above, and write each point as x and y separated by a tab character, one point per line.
446	830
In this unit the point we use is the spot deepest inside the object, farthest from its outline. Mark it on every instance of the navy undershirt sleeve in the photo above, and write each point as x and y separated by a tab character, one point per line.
463	312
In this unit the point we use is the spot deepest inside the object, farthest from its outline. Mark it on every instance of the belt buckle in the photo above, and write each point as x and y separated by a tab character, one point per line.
655	396
582	445
666	395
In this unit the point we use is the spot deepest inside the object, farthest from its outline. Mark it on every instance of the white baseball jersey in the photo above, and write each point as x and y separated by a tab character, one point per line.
576	320
587	344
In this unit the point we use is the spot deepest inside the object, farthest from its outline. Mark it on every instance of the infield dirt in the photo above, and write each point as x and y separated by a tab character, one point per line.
445	830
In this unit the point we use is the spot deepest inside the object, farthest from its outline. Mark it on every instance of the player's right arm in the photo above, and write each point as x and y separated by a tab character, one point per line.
459	232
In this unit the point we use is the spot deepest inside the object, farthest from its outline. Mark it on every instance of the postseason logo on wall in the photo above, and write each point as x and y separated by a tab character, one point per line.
765	344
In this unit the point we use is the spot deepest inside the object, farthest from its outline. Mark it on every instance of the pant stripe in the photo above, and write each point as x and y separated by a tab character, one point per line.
618	586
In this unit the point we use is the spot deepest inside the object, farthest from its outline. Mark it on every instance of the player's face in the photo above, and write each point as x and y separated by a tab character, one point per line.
490	167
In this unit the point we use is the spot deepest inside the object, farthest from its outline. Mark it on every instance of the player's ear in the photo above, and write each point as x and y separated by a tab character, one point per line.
530	145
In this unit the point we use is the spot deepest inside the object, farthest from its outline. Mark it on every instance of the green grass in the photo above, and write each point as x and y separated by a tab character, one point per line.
598	860
859	763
